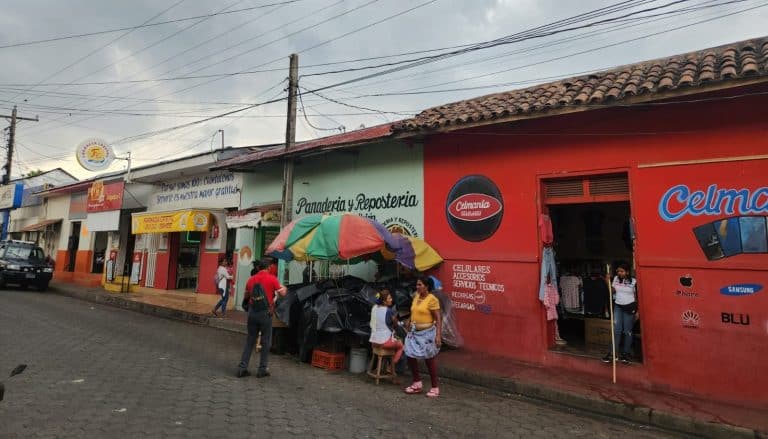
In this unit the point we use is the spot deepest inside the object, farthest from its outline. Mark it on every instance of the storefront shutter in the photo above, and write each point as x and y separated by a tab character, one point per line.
587	189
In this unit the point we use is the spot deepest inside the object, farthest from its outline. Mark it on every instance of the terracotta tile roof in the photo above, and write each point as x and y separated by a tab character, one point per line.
329	142
742	60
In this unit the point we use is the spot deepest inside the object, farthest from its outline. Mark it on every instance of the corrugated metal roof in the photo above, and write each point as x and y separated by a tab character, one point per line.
339	140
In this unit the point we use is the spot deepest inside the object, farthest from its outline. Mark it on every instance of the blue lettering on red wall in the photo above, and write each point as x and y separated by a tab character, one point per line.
679	201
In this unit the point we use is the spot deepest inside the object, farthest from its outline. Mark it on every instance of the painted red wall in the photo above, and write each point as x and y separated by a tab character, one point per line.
209	263
716	360
162	271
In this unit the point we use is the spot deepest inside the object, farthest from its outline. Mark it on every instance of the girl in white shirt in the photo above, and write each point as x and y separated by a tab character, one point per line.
625	313
224	276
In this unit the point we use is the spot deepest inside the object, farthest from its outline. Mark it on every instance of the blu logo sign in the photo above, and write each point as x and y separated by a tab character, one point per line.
736	319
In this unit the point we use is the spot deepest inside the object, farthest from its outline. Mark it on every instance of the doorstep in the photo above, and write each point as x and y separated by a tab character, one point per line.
570	388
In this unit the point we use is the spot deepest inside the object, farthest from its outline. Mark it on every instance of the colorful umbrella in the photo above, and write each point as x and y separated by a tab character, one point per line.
292	233
413	253
347	236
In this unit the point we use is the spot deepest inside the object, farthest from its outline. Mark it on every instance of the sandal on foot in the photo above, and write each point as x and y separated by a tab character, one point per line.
433	392
414	388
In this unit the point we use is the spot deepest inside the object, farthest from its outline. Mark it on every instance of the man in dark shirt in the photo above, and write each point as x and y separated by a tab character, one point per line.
260	320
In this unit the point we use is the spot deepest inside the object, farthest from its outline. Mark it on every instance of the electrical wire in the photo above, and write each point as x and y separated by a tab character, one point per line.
304	112
155	43
336	85
535	48
265	33
143	25
112	41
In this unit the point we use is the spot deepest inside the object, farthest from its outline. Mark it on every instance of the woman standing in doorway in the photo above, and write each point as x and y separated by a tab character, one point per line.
424	338
625	312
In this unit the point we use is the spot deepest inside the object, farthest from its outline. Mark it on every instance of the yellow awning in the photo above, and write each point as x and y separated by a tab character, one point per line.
176	221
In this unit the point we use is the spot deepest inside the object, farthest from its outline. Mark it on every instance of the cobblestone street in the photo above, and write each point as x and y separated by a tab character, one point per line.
96	371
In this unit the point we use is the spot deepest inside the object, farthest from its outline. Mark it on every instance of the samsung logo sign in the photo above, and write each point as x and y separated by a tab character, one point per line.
741	289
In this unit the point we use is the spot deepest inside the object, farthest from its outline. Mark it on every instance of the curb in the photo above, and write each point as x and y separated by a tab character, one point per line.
632	413
113	299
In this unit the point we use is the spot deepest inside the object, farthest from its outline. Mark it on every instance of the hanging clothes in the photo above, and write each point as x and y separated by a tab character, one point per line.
551	299
545	229
548	271
571	287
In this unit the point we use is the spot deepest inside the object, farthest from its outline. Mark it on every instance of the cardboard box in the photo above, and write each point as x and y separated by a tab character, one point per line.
597	332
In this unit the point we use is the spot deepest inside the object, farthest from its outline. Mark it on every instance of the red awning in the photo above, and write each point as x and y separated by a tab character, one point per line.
40	225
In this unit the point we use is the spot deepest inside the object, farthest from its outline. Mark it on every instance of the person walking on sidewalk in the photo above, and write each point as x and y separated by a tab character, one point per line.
424	338
260	296
625	313
223	285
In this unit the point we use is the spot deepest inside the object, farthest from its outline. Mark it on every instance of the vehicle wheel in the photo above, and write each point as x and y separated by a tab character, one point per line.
42	287
2	282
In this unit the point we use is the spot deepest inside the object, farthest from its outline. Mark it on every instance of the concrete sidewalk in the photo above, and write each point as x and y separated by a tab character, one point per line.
569	388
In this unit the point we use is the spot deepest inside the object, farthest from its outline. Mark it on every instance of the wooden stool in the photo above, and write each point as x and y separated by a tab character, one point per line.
380	355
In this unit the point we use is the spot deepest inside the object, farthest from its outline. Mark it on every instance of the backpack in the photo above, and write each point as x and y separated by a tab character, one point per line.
258	300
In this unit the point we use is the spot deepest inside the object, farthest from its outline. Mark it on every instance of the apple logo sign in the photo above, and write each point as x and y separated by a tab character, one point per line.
686	280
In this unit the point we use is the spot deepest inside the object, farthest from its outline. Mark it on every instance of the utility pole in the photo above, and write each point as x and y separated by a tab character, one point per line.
7	174
290	140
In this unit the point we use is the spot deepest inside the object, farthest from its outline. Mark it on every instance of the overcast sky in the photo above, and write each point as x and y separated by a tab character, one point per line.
47	79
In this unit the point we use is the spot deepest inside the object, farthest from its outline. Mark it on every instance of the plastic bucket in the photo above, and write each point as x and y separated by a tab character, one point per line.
357	360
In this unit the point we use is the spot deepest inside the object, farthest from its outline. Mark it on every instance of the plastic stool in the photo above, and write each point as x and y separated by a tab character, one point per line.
380	355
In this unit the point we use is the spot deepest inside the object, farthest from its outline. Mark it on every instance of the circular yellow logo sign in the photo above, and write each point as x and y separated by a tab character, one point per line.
95	155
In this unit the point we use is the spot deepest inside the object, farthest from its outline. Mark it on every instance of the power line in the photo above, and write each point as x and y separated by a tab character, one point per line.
262	34
641	21
348	81
335	101
667	30
155	43
304	112
143	25
89	54
591	14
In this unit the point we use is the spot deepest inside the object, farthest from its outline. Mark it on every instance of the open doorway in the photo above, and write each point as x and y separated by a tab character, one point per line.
589	237
73	243
99	252
188	260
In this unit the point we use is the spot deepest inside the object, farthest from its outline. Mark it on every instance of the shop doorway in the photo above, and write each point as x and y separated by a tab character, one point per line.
592	230
73	242
231	244
99	252
188	260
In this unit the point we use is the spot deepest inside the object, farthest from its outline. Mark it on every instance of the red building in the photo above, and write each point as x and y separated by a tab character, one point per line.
661	164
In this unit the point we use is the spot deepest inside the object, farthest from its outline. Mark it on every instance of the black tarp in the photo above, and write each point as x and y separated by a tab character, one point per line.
344	305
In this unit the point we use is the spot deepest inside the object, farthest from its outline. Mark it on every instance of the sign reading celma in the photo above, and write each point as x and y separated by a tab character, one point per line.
679	201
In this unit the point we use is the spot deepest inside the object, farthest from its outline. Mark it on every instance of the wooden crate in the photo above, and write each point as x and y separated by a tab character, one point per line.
328	360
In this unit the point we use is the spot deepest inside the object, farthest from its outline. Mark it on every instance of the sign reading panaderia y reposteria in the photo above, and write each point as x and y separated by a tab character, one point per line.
213	190
397	211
